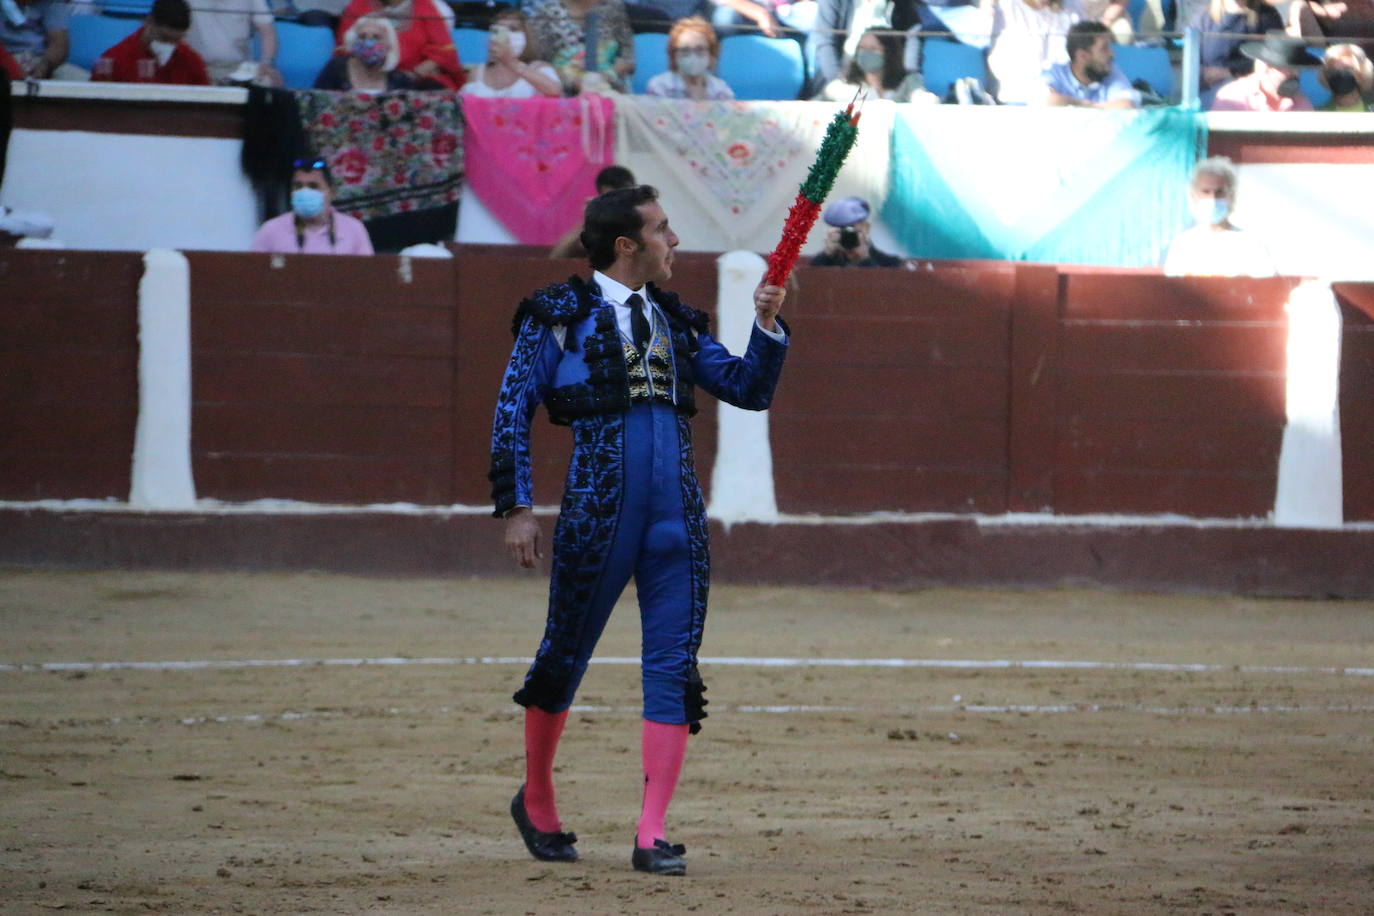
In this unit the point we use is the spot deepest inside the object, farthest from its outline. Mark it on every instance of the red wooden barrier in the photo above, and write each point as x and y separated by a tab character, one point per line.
1171	395
68	373
965	387
1357	398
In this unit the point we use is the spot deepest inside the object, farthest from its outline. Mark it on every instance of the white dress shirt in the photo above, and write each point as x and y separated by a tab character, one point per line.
615	292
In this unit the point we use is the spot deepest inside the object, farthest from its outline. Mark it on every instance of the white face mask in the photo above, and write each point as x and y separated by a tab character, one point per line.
162	50
692	64
516	40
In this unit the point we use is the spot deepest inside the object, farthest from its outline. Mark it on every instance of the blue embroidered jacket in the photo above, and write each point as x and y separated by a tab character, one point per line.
587	376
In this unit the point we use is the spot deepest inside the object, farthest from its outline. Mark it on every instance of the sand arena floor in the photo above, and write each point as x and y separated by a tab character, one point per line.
1235	777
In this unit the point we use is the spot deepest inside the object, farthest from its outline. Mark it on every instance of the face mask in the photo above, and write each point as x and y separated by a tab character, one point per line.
1209	211
1340	81
869	61
516	40
370	52
692	63
162	50
1289	88
307	203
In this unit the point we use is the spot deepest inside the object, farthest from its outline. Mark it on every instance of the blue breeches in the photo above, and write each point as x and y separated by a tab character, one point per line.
650	544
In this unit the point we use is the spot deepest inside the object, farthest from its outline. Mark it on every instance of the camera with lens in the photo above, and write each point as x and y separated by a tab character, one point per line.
849	238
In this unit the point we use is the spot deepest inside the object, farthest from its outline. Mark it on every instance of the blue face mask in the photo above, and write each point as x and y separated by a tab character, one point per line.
1209	211
307	203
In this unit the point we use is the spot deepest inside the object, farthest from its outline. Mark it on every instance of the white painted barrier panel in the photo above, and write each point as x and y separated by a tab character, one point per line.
1310	493
161	477
742	479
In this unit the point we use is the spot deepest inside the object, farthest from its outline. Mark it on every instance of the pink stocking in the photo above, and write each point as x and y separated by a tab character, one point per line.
542	731
664	747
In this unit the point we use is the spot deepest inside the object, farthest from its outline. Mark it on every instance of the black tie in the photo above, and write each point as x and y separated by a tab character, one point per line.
639	325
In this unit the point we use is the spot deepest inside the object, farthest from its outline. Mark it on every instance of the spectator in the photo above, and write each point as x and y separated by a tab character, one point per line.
839	26
312	226
1028	36
1334	19
611	178
767	16
1214	247
9	65
693	52
565	29
1112	14
1274	85
1090	78
427	54
847	243
370	63
35	33
222	33
1348	73
15	225
321	13
155	52
1224	25
513	69
877	66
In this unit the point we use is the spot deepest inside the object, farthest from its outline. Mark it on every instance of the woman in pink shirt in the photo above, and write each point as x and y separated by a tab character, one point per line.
312	226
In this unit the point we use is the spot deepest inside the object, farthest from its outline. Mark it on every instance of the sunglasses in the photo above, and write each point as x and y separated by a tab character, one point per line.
310	165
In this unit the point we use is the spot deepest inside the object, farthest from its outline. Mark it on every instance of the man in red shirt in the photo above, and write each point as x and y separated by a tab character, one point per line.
155	53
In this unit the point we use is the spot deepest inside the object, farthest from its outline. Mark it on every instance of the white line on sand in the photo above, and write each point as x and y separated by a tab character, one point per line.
906	711
740	661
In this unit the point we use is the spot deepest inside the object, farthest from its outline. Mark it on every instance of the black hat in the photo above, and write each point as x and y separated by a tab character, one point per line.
1279	49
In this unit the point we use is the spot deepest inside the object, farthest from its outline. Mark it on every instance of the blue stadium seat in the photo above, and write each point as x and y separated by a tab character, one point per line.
943	62
651	58
92	36
1148	64
471	44
302	51
139	8
758	67
1312	87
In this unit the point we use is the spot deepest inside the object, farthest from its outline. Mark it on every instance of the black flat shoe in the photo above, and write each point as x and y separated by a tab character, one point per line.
546	847
664	859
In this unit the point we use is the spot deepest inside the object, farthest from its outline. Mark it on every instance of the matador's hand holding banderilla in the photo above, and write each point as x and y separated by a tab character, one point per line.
767	303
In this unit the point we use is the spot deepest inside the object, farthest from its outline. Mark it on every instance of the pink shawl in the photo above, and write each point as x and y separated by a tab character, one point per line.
533	162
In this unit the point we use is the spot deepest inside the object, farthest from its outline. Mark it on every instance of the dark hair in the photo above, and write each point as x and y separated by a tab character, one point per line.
312	163
610	216
893	70
614	177
171	14
1083	35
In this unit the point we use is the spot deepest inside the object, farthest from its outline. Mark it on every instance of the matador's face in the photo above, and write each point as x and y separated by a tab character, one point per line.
653	262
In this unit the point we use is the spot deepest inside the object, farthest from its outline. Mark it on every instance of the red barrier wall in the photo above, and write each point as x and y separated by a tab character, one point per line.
329	386
68	373
1357	398
966	387
1171	395
895	392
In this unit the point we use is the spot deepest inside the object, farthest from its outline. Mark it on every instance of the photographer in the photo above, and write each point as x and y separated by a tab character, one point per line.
847	243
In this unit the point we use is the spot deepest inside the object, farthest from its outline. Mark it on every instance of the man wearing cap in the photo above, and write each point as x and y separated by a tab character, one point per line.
847	243
1274	84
